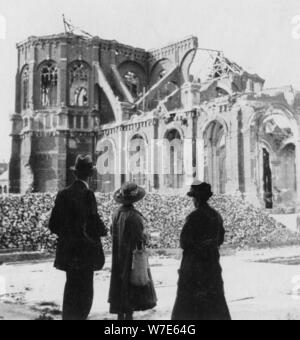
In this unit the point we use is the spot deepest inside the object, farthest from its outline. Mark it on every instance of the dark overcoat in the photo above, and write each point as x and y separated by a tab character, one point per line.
200	288
128	235
76	221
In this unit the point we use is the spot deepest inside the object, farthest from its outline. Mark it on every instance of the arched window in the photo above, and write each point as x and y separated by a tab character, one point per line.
25	88
106	162
138	160
215	157
79	84
49	79
133	83
173	160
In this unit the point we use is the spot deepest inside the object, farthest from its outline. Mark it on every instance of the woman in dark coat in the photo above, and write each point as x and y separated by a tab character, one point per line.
128	234
200	288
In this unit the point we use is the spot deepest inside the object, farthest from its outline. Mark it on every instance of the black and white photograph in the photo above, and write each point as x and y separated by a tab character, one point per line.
149	162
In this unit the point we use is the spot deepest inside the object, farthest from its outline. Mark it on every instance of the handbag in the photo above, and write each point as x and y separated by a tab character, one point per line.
140	268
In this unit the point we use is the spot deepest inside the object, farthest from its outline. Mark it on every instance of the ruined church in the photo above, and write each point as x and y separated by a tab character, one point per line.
161	118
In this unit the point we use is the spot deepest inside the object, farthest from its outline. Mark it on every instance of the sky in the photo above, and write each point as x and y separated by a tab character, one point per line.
260	35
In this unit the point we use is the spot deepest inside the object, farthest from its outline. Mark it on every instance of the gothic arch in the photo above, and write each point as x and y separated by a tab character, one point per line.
48	83
79	76
138	158
173	158
25	87
286	181
212	119
173	126
102	86
162	65
134	77
214	136
224	90
160	61
259	118
185	69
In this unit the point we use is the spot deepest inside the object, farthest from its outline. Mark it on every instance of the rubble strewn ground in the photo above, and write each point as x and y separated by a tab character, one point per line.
24	221
260	284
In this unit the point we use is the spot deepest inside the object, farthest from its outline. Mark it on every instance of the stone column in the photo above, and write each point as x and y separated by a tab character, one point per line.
121	158
232	157
200	158
194	144
189	152
62	88
154	157
32	98
250	166
161	158
15	160
61	171
214	162
93	95
188	169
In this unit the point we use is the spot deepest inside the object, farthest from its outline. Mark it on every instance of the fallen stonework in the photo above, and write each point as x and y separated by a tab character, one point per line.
24	220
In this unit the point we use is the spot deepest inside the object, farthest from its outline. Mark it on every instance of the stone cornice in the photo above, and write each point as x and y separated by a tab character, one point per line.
129	126
56	39
53	133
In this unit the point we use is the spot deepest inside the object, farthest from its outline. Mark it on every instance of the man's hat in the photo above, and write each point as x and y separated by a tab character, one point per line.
202	189
129	193
84	163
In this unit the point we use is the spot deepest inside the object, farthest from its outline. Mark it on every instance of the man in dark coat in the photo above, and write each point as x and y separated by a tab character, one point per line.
79	252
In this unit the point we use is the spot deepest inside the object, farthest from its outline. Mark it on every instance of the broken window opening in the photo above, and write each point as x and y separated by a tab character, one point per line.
81	98
133	83
79	84
49	80
25	88
267	180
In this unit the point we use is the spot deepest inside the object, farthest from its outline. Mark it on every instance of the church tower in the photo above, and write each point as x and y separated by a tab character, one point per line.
55	114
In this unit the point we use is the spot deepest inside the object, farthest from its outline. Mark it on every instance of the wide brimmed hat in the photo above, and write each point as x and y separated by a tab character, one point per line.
201	189
84	163
129	193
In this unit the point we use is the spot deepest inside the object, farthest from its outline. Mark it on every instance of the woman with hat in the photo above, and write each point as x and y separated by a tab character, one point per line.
128	234
200	288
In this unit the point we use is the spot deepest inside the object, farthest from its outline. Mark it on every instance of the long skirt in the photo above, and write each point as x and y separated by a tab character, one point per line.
200	293
126	298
